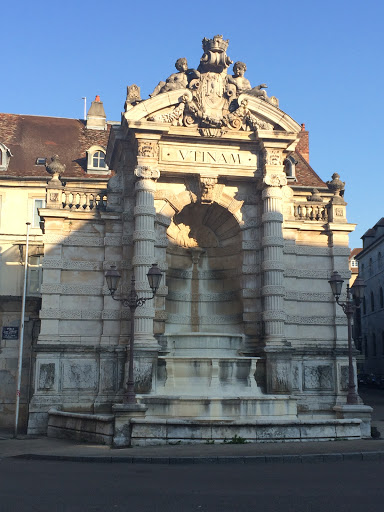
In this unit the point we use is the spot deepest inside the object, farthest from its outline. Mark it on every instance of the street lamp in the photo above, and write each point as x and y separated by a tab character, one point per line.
112	277
352	303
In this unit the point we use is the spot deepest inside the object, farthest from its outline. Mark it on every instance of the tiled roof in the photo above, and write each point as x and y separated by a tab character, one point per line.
370	232
305	175
31	137
355	251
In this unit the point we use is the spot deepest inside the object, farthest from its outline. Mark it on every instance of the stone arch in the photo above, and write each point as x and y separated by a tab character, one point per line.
174	203
164	102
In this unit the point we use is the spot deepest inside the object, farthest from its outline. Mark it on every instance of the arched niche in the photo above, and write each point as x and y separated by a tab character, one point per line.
204	262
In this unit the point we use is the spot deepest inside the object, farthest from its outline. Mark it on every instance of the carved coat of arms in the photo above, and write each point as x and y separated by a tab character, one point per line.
210	101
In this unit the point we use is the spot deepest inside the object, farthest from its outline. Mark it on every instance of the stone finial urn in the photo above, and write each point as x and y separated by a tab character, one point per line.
337	187
315	196
55	168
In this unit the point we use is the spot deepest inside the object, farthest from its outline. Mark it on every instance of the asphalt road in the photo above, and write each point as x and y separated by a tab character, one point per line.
353	486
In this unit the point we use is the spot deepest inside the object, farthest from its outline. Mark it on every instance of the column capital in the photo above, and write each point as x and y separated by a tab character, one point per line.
275	179
145	172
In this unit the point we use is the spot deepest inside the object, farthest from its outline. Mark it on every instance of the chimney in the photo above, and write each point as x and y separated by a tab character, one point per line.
96	118
303	144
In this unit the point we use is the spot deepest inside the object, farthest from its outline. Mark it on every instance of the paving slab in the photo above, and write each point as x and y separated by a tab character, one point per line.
312	451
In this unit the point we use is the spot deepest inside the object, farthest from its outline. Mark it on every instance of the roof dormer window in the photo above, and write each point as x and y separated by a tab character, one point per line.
99	160
5	155
290	167
96	161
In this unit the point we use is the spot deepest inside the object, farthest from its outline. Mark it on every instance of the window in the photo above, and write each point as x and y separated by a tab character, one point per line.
99	159
5	155
354	263
34	275
365	346
382	343
370	266
381	298
41	161
96	160
290	167
379	260
374	345
372	302
37	203
364	307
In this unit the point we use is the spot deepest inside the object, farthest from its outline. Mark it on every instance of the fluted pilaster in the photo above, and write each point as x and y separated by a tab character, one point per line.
143	252
272	266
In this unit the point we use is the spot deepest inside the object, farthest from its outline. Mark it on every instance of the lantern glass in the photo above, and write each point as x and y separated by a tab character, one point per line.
154	277
358	289
112	276
336	283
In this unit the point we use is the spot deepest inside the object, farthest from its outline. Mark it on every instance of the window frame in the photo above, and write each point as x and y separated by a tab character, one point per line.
34	224
91	168
33	270
374	347
5	157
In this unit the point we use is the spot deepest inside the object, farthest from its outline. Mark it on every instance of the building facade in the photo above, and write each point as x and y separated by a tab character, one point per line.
212	182
27	144
371	269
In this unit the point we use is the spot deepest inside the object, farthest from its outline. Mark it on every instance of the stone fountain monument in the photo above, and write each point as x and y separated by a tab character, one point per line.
212	181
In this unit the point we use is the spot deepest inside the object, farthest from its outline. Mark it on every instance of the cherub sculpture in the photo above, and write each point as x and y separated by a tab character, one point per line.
237	79
243	85
176	80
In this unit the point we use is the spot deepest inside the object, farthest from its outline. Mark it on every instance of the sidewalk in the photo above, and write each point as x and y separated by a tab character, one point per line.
59	449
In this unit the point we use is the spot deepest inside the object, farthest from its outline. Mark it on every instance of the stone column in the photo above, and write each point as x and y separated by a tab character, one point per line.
273	265
143	253
276	347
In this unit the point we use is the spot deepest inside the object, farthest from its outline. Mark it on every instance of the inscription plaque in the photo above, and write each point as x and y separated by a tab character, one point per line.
209	156
10	333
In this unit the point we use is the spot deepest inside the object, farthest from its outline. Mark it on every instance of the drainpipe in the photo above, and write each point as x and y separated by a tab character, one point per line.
20	361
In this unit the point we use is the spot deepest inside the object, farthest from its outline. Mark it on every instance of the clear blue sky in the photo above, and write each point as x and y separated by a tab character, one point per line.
322	59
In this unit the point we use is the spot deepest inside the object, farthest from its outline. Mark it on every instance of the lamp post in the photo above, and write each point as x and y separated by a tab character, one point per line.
112	277
351	304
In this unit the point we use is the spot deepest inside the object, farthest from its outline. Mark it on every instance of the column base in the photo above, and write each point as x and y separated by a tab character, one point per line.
359	411
122	429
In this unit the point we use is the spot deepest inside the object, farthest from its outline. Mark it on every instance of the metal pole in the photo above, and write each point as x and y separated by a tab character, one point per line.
349	309
352	395
20	361
130	397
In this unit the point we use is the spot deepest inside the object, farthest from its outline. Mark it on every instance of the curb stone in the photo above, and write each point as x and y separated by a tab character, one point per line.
269	459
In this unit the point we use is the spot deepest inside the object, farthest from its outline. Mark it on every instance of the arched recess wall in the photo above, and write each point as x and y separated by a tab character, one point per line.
202	247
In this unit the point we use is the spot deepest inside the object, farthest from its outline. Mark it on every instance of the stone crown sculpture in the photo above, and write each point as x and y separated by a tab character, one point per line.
216	44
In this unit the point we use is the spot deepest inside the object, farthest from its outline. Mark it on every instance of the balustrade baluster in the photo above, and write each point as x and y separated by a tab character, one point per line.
83	201
87	206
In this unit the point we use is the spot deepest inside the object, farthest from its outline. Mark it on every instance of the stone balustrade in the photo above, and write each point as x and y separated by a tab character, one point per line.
84	201
308	211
